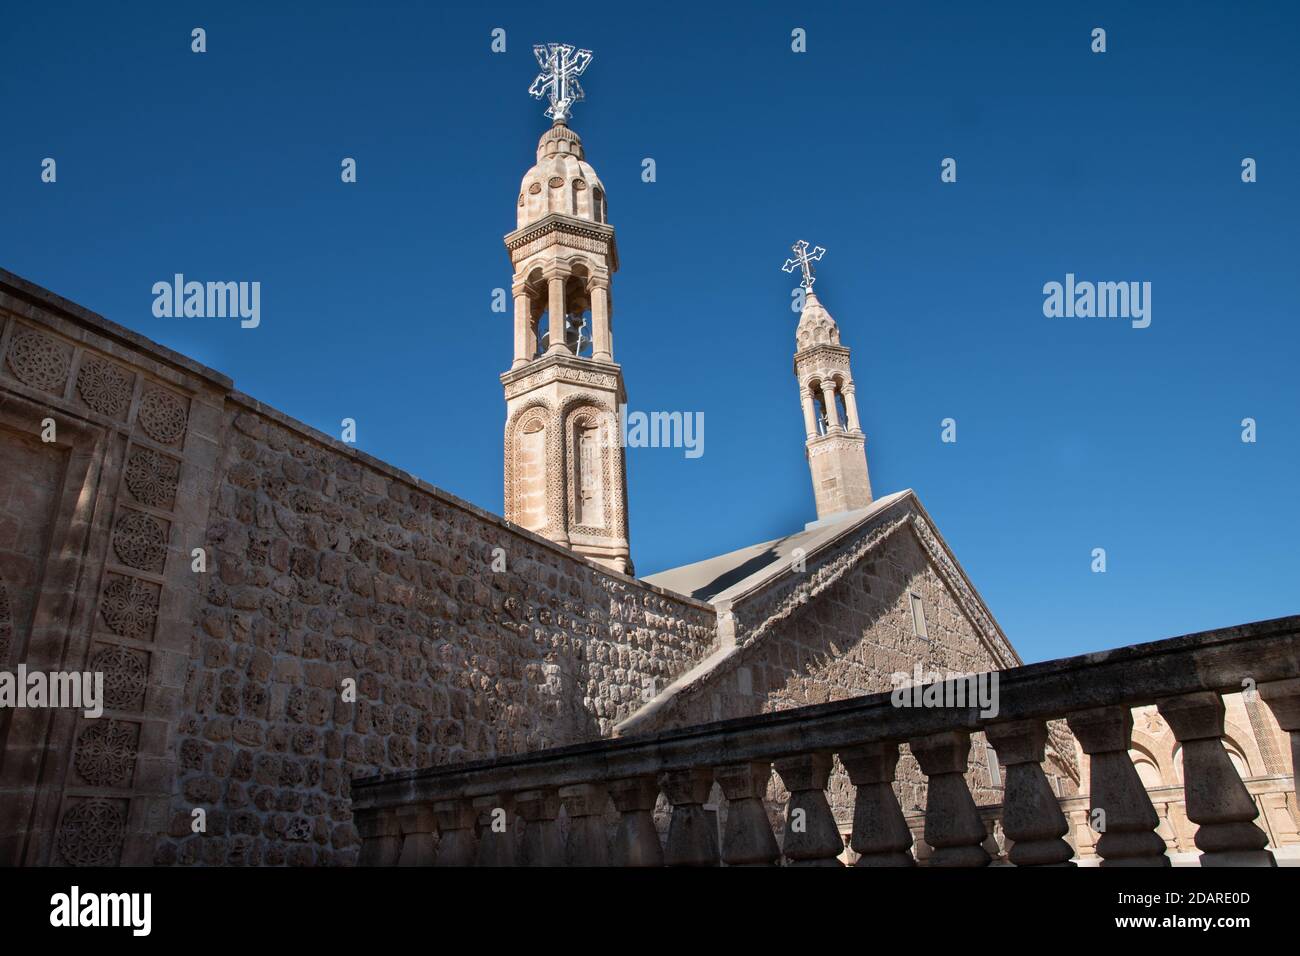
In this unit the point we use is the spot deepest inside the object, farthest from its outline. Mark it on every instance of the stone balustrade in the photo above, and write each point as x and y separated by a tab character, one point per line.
507	811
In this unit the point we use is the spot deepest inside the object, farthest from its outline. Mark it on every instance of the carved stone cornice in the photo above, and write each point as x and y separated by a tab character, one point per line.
581	234
562	368
835	441
813	360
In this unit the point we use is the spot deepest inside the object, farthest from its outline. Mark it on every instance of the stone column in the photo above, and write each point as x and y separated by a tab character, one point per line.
880	834
523	328
496	845
418	826
832	410
556	318
747	838
381	837
585	804
851	406
1031	813
953	827
809	411
456	844
1216	799
812	837
541	845
1121	810
636	842
1283	698
692	834
602	342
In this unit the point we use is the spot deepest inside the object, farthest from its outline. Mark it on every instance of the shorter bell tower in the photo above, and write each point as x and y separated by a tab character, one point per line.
835	444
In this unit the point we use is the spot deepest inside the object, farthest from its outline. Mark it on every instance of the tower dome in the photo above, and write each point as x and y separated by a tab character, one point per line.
560	181
816	327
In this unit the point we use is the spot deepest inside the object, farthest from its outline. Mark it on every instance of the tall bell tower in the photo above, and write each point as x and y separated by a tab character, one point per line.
835	444
565	474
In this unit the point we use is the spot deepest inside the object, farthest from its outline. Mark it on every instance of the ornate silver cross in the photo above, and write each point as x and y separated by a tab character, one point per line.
561	66
804	260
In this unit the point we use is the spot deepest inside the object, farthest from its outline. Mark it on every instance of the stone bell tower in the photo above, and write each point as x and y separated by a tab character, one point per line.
564	461
836	446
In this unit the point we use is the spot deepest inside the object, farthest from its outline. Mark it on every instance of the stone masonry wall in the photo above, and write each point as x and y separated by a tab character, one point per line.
841	629
327	569
227	689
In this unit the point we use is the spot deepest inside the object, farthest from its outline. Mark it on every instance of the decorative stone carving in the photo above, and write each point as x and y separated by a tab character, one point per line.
106	752
91	833
140	541
125	673
130	607
103	386
39	361
6	623
151	478
556	182
162	415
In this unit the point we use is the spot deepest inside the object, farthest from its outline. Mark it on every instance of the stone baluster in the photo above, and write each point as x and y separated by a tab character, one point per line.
1031	814
585	804
812	837
496	844
381	837
1283	698
1216	799
542	844
880	833
456	843
692	833
1121	810
747	838
418	827
953	827
636	842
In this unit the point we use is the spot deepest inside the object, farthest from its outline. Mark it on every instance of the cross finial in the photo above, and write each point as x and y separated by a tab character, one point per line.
803	258
561	66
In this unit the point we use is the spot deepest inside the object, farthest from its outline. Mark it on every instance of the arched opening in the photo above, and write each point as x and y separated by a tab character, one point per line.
588	471
529	503
598	204
819	406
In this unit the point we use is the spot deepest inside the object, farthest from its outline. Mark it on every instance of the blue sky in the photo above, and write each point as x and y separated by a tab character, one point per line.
1073	434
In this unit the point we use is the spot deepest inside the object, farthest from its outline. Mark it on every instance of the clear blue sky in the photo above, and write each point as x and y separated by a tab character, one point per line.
1073	434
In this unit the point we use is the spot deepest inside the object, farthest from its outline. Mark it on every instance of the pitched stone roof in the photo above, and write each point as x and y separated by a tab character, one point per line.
727	576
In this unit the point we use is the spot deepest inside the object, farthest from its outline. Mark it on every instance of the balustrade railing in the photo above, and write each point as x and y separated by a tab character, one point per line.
508	811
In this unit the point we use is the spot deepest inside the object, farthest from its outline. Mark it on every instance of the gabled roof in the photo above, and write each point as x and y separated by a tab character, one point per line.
730	575
753	588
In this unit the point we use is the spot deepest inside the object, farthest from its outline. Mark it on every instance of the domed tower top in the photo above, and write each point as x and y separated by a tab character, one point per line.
561	181
816	327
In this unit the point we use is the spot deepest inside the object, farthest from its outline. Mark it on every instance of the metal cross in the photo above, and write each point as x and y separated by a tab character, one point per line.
561	66
804	260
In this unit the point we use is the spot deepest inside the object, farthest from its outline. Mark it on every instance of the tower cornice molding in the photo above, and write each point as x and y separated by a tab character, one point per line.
589	236
561	367
818	351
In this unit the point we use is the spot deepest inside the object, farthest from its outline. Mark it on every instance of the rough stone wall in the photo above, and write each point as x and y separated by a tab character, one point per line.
327	569
225	687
